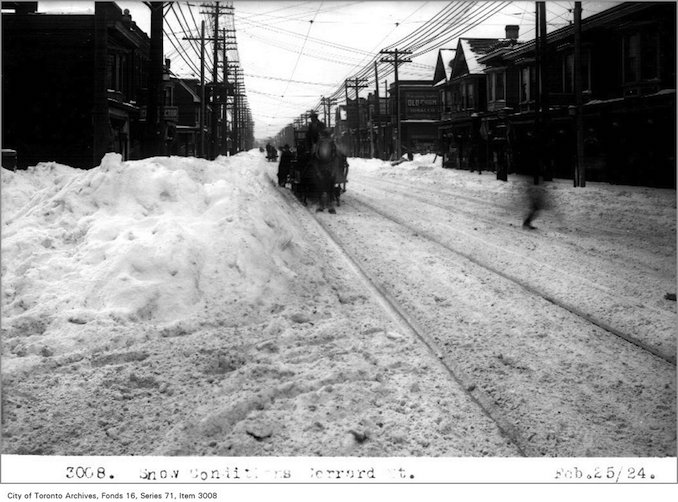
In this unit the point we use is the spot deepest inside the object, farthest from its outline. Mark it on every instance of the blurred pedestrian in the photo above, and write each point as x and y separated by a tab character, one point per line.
536	203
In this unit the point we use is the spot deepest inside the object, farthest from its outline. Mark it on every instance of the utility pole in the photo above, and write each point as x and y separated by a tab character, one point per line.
327	109
358	83
544	90
324	105
376	119
215	110
102	131
233	66
348	123
215	10
224	112
203	105
376	90
537	138
154	105
580	170
225	93
397	61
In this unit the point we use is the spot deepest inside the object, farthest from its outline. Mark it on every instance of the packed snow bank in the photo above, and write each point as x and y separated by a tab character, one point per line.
152	240
174	306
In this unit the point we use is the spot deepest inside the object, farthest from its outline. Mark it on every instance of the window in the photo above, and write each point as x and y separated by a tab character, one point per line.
469	102
641	56
631	57
500	80
496	85
456	98
168	97
526	83
116	72
568	72
649	56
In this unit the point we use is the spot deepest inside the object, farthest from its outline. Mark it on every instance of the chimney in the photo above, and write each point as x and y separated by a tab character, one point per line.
512	31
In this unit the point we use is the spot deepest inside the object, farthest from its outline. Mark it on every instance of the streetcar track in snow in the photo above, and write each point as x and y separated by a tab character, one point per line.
409	325
628	301
496	221
518	429
667	357
406	189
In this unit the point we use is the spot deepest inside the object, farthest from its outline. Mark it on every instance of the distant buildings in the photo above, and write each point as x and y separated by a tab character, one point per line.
75	86
486	109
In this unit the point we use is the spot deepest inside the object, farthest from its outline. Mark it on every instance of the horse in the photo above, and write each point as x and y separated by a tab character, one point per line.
323	165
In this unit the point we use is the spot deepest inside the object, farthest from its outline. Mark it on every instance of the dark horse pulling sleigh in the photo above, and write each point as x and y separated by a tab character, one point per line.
320	174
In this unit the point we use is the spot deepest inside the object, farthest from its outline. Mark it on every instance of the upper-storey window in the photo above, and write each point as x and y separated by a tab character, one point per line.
467	95
640	56
168	98
496	85
568	72
527	83
116	72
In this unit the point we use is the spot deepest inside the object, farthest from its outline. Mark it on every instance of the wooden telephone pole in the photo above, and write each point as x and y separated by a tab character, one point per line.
215	10
203	106
357	84
154	109
580	170
327	109
397	60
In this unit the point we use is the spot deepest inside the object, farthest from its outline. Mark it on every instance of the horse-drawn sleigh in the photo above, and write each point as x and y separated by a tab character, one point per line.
319	174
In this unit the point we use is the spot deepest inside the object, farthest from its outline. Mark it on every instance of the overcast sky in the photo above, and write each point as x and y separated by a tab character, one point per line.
294	52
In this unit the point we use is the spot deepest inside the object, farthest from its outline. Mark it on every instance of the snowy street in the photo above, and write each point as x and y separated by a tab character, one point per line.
176	306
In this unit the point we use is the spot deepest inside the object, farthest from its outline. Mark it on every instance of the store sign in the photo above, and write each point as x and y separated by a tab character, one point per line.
422	105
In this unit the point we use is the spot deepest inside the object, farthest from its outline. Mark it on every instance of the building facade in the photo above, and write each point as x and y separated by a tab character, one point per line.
73	85
499	115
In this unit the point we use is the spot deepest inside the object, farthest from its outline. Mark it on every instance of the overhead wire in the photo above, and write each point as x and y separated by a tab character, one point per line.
301	52
389	70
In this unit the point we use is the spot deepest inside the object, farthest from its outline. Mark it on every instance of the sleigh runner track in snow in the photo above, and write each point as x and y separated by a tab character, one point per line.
522	427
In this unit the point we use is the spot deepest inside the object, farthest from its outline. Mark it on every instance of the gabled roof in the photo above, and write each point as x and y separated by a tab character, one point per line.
468	52
608	17
191	92
502	47
443	68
